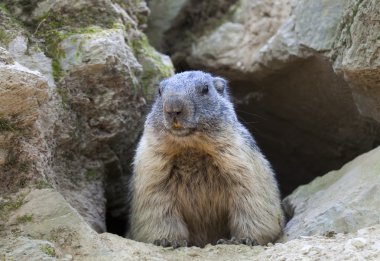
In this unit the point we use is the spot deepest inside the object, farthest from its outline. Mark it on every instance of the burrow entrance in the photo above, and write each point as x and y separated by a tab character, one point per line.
304	120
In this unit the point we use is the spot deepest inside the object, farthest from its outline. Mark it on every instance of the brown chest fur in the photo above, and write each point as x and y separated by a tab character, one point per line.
201	195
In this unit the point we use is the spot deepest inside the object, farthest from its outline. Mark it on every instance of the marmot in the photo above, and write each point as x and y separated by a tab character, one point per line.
198	173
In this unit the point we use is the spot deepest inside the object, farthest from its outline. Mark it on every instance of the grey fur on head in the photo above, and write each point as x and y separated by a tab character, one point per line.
204	99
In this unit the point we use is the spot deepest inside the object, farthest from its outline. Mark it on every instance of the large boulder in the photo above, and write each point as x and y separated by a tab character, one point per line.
356	53
102	75
231	48
341	201
23	93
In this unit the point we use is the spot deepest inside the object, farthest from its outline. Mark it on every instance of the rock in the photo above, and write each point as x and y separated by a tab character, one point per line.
20	248
102	75
21	94
234	45
56	230
162	19
101	81
31	57
169	19
342	201
327	15
54	220
357	55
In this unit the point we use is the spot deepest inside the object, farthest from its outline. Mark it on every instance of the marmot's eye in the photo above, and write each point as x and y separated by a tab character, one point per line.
204	89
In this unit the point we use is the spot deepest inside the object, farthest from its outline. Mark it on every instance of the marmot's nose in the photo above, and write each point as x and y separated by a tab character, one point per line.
173	107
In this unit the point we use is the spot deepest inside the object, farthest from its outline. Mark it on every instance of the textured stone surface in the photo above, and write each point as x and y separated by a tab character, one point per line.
21	93
25	248
234	44
32	58
57	225
358	51
341	201
102	75
163	18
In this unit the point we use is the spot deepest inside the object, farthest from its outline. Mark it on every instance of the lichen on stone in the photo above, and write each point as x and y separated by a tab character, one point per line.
49	250
6	125
9	204
24	219
151	60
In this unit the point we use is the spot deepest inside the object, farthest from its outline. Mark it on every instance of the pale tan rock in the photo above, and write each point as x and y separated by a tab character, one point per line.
102	73
22	92
65	231
234	44
102	80
358	53
32	57
341	201
25	248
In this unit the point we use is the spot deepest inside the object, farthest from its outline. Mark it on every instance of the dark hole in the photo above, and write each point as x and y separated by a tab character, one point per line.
116	224
116	193
305	121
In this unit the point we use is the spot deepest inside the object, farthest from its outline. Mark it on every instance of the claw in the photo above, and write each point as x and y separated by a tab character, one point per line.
233	241
175	244
221	241
166	243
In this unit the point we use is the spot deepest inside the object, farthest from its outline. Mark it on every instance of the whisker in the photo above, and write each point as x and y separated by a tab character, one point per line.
252	114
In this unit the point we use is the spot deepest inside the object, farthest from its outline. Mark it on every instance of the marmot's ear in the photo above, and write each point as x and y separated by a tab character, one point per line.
220	84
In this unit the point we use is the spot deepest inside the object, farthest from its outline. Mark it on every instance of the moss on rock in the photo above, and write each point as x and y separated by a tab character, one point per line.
9	204
154	67
24	218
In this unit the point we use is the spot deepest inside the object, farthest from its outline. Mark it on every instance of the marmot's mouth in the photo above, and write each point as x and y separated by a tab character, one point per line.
181	132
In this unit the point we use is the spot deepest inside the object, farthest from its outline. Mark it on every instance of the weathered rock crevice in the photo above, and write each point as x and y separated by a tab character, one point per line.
305	120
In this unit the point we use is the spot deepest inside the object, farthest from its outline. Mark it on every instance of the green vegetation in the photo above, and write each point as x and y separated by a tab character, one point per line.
24	166
142	49
64	95
5	125
55	27
4	38
329	234
9	204
25	218
49	250
41	184
91	174
9	27
3	7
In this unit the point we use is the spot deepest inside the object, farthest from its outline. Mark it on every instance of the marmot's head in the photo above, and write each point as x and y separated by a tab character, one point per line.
191	102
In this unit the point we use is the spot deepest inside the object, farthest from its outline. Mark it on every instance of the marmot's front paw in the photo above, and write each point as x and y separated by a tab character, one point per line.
234	241
174	243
